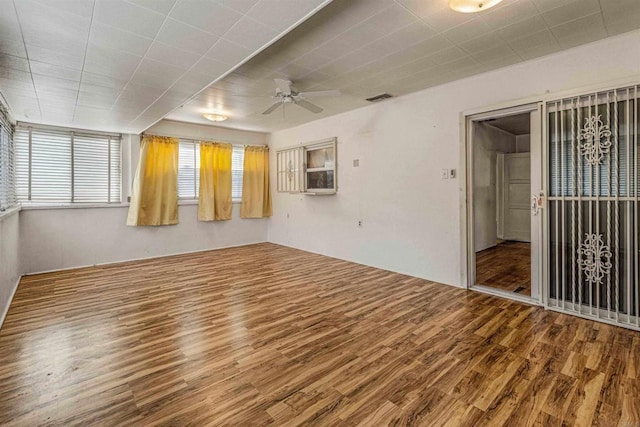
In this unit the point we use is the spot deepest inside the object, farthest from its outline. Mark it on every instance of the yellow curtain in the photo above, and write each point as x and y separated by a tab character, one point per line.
154	196
256	197
214	199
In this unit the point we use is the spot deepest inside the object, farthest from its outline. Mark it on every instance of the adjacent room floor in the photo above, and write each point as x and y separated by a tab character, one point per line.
506	266
264	334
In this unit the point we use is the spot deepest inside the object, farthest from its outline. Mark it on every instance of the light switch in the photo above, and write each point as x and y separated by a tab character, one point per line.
356	163
452	173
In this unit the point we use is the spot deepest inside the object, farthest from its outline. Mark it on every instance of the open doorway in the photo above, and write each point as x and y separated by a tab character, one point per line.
504	173
502	188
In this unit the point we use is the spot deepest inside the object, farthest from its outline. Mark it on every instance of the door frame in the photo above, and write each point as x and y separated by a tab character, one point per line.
467	211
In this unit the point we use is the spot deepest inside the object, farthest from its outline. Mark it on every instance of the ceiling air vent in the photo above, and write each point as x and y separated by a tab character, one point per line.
380	97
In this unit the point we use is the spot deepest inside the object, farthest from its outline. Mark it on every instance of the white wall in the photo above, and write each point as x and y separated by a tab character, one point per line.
9	262
488	141
53	239
64	238
411	216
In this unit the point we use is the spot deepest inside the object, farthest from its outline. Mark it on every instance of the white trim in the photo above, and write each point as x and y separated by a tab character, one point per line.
10	212
73	206
195	140
466	178
507	295
55	270
66	129
6	309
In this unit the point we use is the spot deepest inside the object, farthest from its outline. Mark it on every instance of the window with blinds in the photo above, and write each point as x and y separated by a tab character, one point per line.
189	170
57	165
7	167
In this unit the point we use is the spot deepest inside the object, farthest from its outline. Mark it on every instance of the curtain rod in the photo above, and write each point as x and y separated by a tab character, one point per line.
228	141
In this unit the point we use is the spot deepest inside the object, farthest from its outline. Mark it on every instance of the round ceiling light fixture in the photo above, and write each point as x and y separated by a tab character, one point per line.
215	117
472	6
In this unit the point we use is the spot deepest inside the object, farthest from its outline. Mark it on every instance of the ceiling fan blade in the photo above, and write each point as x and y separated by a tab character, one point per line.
309	106
318	93
273	108
284	86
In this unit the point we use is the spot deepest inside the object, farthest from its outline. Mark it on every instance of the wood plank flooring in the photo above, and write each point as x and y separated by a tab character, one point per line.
268	335
506	266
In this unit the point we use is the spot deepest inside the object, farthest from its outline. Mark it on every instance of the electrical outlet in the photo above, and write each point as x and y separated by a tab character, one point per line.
356	163
359	223
445	174
287	215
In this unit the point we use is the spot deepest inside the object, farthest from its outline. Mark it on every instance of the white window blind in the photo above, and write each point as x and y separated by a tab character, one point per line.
7	166
189	170
57	165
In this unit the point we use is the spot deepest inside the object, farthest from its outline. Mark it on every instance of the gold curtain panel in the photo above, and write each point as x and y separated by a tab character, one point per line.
256	196
214	198
154	196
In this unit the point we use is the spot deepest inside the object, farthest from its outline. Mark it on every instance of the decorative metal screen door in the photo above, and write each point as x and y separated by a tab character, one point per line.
592	148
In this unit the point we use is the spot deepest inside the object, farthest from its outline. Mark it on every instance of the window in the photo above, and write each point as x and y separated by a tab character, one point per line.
58	165
7	171
189	170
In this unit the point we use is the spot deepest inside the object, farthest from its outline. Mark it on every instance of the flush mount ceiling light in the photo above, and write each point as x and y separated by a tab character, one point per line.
215	117
471	6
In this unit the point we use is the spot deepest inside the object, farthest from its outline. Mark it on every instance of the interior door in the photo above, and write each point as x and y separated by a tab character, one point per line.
517	195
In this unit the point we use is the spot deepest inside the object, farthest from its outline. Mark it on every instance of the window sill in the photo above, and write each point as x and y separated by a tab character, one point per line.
9	212
75	206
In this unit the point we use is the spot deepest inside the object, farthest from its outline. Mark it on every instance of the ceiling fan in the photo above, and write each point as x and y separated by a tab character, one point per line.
286	93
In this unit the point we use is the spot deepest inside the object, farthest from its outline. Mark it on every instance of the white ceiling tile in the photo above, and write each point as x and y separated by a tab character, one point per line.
205	15
580	31
523	28
9	24
541	38
116	38
41	22
82	8
54	71
571	11
448	55
13	74
110	62
411	34
14	62
242	6
512	12
46	82
186	37
54	94
171	55
538	51
162	6
467	31
392	18
158	81
210	67
128	16
227	52
53	57
99	80
279	14
10	46
250	33
445	19
546	5
485	42
169	71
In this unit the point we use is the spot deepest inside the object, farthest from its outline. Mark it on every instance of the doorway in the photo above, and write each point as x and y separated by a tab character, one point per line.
503	178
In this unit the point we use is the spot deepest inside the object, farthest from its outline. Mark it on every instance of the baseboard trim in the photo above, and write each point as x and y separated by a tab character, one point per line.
142	258
369	265
5	311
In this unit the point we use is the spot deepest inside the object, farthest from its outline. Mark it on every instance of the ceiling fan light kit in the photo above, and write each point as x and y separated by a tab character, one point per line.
286	93
472	6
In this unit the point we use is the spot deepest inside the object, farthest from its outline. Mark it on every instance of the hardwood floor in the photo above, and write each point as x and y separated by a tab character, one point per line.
268	335
506	266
